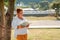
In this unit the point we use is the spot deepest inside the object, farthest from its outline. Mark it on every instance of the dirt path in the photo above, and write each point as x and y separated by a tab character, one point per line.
45	24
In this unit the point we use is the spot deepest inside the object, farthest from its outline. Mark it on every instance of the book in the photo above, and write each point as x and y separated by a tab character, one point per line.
24	24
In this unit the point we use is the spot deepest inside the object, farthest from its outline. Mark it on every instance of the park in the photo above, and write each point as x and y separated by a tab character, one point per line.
44	18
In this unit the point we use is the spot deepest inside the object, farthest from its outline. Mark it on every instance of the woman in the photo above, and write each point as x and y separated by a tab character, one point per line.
19	26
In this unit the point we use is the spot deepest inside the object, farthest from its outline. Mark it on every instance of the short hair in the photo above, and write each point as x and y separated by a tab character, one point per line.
18	10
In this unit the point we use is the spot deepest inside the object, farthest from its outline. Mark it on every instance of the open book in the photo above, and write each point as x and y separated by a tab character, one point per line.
24	24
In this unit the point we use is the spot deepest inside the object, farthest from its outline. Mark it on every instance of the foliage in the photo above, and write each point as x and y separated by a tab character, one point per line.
6	2
36	4
44	5
56	5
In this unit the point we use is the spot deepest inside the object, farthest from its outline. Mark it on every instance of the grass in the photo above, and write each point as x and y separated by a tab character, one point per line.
42	34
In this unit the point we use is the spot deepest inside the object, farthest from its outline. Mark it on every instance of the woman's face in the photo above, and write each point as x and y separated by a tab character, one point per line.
20	14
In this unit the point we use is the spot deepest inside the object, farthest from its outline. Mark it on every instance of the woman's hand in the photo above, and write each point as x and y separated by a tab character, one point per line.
27	26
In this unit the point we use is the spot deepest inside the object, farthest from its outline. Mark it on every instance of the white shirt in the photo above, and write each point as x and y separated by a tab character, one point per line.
16	21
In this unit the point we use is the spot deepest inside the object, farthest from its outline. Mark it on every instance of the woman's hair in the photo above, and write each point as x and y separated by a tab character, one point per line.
18	10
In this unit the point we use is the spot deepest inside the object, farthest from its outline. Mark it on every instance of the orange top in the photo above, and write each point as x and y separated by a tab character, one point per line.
19	27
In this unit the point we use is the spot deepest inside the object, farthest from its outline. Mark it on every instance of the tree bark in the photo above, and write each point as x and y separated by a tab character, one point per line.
2	20
9	17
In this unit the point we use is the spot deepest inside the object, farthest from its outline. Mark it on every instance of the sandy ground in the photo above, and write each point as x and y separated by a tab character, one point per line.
42	34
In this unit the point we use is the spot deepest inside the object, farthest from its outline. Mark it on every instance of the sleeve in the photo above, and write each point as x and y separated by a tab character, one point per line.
13	24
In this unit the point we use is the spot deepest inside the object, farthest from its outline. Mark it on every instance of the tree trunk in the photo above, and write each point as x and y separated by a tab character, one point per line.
9	17
57	13
2	21
5	20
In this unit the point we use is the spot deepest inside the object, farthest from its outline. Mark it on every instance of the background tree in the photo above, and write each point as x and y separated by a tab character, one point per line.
56	6
44	5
